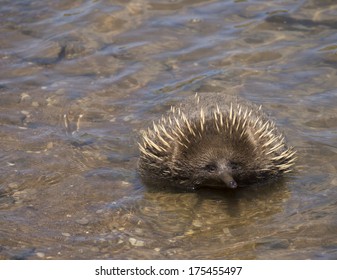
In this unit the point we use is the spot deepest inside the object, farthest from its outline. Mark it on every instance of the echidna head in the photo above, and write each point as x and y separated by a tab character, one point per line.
216	161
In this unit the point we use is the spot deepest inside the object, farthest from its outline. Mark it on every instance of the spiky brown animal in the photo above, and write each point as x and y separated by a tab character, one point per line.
213	139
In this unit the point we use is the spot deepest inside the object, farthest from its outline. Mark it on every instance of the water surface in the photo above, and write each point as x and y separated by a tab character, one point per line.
79	79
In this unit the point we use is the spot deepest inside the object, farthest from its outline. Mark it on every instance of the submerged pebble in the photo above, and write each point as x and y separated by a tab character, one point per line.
135	242
83	221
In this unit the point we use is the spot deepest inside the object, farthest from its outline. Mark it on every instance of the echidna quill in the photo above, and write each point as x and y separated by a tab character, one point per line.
213	139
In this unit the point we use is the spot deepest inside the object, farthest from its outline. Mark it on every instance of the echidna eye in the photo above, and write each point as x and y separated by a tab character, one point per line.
210	168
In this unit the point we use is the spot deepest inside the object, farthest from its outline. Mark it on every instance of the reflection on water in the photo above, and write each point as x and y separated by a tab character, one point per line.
79	79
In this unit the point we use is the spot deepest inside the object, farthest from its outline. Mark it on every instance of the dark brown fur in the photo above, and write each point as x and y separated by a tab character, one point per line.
213	139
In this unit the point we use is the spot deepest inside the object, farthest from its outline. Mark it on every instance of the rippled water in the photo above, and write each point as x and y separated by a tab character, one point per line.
79	79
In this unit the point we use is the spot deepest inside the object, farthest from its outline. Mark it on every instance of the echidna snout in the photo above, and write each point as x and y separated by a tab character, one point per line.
213	140
218	174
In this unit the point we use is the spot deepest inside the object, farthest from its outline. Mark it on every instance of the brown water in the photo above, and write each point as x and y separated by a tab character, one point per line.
79	79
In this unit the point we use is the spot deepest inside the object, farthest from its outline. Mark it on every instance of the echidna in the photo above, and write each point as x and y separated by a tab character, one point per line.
213	139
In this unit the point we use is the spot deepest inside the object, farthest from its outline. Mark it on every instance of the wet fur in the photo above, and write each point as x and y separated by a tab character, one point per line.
212	131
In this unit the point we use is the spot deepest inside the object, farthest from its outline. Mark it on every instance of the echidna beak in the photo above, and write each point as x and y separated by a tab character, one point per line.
228	180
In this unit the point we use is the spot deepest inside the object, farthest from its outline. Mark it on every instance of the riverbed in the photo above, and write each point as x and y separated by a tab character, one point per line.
80	79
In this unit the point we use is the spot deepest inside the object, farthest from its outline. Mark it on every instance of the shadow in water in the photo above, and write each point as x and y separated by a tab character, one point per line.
197	216
235	202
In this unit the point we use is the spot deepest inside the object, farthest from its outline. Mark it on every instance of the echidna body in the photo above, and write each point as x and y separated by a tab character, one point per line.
213	139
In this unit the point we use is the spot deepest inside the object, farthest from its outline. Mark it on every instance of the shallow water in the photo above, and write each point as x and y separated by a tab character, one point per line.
79	79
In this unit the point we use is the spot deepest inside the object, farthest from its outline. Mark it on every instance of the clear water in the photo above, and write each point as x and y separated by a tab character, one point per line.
79	79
